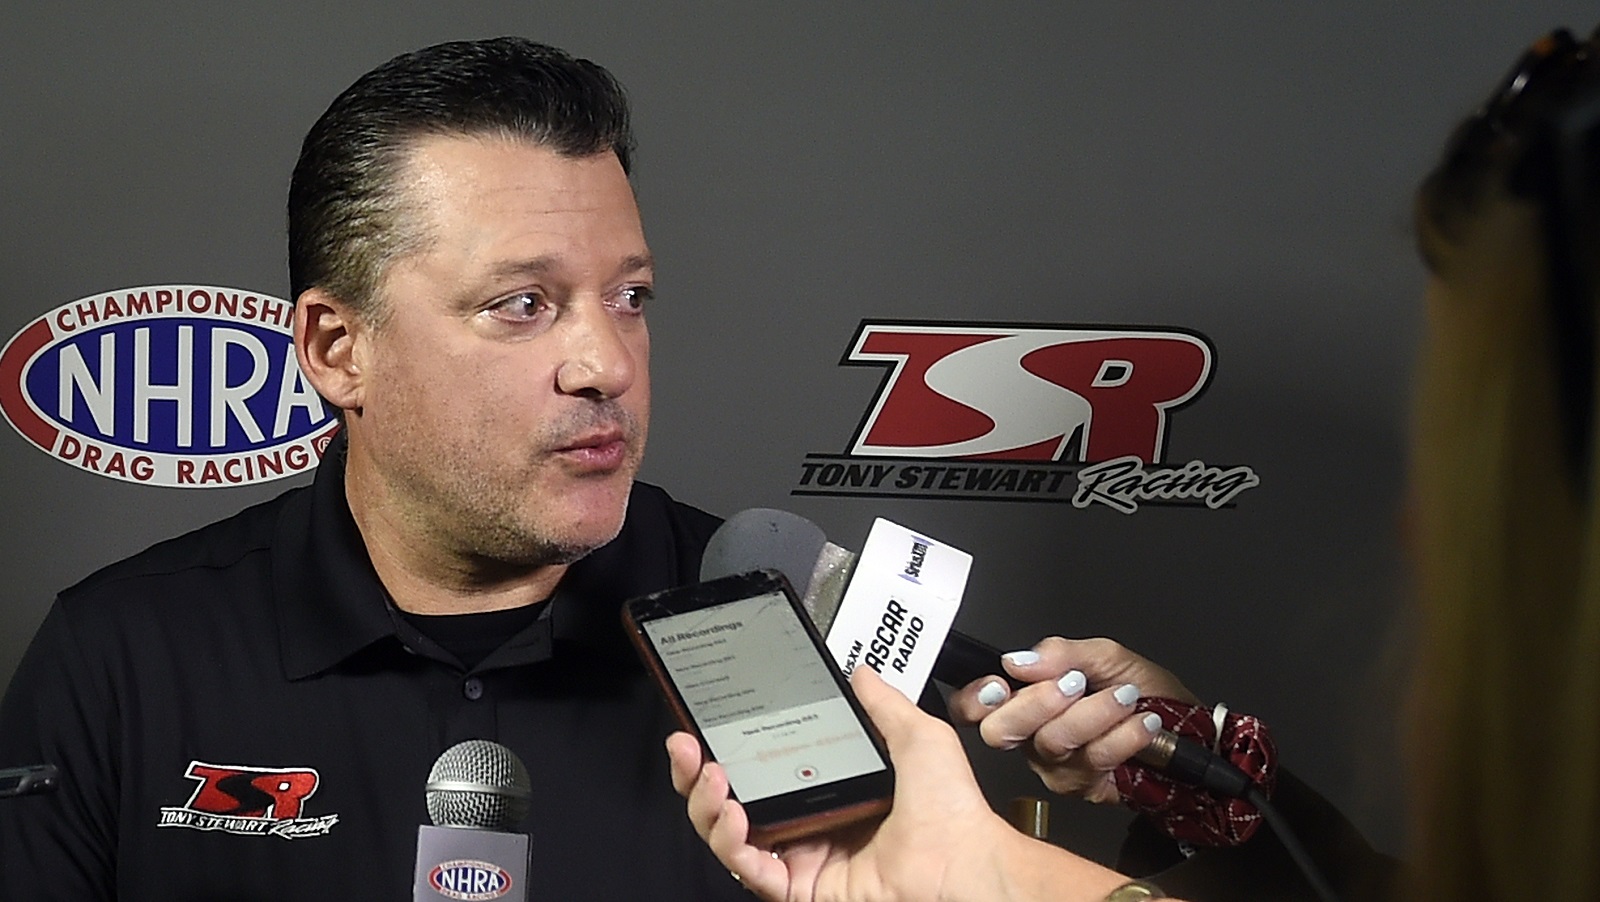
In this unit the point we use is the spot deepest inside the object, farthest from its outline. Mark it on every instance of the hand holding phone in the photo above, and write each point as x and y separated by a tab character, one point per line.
941	841
744	669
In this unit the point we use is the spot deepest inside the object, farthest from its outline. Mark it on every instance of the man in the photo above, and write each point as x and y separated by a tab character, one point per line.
250	711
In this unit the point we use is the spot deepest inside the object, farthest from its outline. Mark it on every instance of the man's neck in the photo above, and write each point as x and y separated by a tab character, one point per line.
418	588
422	576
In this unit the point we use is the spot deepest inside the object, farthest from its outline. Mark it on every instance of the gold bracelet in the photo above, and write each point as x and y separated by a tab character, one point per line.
1135	891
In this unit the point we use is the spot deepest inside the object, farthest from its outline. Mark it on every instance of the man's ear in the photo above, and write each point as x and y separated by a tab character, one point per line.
325	333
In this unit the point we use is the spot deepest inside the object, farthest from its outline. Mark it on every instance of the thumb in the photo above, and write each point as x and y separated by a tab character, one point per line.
892	713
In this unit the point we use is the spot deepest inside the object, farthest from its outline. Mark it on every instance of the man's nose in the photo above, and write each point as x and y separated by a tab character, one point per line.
598	361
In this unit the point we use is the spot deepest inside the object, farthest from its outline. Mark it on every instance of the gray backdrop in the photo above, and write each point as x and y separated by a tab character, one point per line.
1239	169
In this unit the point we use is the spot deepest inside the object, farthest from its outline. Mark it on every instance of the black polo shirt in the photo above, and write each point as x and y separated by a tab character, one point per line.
240	714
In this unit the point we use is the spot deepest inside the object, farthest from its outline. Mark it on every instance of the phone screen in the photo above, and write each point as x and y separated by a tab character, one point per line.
763	697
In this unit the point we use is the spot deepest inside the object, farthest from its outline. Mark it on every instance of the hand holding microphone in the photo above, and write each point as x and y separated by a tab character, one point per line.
1073	714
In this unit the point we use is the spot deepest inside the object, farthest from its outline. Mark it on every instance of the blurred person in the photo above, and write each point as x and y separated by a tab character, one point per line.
1504	731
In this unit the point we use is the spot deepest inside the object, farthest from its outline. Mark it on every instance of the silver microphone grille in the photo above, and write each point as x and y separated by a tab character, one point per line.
479	784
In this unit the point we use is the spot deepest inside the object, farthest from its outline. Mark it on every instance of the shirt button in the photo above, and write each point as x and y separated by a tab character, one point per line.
472	689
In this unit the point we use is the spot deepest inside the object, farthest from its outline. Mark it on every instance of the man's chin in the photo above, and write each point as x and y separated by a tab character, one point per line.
590	513
591	527
561	556
530	551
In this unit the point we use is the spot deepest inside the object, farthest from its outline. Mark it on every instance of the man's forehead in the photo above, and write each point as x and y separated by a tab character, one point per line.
470	157
459	180
507	208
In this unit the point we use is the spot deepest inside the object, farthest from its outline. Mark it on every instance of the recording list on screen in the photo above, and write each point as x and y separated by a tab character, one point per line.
763	696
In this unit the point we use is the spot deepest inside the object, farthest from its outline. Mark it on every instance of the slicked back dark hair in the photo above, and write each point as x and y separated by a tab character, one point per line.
347	216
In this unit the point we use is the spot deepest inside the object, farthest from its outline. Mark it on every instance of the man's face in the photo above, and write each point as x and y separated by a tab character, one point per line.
505	393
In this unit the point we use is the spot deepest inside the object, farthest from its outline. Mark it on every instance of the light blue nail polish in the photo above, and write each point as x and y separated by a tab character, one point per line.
1152	722
1021	658
1126	694
991	693
1071	684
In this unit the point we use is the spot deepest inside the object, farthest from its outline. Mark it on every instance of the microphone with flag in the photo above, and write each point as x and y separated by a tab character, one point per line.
890	607
478	791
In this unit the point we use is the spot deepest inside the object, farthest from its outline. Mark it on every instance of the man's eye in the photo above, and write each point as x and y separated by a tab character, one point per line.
635	297
518	307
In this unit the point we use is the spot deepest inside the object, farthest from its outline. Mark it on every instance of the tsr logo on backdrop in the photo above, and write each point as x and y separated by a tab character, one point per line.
1026	413
173	385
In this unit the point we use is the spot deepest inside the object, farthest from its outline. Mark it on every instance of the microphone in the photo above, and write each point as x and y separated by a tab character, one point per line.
32	779
822	574
478	791
890	607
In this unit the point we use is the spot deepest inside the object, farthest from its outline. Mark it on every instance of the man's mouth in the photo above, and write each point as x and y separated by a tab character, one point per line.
599	451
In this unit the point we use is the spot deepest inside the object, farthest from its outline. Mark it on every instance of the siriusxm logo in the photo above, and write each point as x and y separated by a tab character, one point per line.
467	878
919	554
175	385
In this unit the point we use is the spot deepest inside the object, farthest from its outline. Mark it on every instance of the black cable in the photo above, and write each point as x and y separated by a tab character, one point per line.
1291	844
1189	762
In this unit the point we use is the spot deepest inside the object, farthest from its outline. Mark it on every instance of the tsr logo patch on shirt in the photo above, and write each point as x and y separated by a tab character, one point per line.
250	801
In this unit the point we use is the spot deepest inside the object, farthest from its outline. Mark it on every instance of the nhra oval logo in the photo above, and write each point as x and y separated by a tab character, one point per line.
469	879
174	385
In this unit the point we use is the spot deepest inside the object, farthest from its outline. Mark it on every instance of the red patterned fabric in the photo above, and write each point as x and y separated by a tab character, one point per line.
1192	815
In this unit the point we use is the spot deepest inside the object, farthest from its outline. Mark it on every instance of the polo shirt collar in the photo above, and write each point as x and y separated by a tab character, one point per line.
330	602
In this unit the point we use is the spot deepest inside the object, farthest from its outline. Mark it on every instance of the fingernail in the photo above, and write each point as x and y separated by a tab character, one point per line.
1021	658
1126	694
1071	684
1152	722
991	694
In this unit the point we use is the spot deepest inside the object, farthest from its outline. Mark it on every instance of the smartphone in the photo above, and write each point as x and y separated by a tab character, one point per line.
744	669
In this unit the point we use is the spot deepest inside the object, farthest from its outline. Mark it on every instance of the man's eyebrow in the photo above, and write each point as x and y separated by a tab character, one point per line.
635	263
538	266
